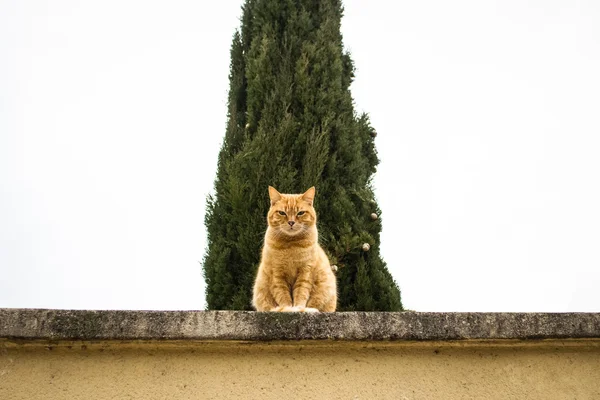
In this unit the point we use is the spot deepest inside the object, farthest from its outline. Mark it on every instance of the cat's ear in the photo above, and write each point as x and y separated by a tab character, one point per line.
274	195
309	196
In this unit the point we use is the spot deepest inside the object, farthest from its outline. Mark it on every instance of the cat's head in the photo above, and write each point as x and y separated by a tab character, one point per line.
292	215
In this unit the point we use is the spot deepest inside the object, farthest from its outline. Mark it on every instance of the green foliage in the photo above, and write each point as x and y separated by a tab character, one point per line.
292	125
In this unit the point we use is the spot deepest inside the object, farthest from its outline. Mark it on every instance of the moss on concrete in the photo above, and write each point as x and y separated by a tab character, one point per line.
244	325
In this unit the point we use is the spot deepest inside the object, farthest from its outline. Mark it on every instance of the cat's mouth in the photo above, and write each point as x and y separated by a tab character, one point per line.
292	230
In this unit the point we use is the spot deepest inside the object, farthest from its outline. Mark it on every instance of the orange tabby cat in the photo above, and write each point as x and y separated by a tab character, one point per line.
294	272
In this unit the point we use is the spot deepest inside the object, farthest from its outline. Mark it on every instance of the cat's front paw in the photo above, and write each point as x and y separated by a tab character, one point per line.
285	309
310	310
295	309
305	309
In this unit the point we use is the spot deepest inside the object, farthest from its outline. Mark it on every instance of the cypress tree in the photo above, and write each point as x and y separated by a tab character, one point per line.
291	124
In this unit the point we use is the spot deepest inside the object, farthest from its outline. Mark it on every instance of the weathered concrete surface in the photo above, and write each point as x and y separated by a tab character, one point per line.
238	325
399	370
62	354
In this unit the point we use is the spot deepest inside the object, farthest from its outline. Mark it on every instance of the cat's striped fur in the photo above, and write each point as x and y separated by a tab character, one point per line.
294	272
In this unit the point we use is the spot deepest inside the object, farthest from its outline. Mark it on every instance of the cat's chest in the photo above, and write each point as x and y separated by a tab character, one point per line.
290	261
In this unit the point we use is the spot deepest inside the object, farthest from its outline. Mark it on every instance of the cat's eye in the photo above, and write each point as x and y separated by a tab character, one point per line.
282	213
301	213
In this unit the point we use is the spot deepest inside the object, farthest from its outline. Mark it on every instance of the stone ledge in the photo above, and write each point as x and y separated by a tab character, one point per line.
41	324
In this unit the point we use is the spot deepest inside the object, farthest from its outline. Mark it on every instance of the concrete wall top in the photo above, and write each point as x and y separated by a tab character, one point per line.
42	324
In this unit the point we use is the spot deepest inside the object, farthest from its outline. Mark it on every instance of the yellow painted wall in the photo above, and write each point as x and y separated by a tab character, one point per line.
553	369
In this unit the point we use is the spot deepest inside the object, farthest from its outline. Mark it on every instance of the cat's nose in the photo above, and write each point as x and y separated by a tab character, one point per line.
291	223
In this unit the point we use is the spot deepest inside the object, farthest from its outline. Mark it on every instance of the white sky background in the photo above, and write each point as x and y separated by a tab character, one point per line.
488	113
